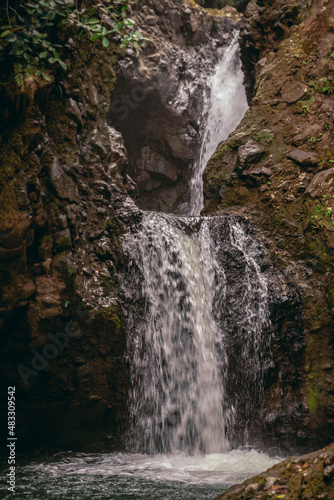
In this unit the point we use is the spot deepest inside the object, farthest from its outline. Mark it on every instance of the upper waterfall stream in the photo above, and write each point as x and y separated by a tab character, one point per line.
226	107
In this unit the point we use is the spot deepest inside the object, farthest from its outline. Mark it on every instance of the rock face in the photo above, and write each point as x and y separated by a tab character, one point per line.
264	26
308	476
67	196
288	193
160	99
64	202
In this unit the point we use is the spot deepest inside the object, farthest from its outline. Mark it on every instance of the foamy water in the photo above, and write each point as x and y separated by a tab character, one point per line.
135	476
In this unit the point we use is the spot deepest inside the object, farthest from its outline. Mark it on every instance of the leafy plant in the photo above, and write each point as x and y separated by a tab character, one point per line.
305	105
325	87
265	136
322	217
31	39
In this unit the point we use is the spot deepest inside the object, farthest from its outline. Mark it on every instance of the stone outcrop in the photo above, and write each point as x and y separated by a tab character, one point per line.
65	197
308	476
288	193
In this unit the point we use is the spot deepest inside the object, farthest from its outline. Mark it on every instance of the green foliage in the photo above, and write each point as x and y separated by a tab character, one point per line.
322	216
325	86
304	106
265	136
32	38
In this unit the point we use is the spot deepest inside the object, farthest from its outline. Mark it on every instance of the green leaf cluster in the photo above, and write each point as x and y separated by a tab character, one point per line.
31	38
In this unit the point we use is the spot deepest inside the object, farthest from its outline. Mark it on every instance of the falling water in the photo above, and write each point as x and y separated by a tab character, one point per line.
228	104
177	400
195	313
196	309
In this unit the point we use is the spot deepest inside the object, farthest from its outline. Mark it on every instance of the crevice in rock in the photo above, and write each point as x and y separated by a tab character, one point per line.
160	102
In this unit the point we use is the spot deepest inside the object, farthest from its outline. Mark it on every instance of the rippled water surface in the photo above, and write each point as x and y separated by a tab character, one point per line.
135	476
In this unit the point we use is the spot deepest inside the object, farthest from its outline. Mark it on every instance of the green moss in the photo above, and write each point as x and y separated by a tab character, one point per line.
265	136
315	382
312	399
113	314
65	243
322	217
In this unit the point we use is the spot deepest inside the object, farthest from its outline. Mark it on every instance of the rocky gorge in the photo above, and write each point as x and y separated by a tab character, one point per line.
119	133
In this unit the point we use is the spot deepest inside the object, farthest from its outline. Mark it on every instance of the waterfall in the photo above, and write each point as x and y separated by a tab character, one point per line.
196	308
199	323
227	106
177	400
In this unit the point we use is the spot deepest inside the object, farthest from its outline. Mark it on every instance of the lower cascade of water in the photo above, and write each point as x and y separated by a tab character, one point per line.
198	307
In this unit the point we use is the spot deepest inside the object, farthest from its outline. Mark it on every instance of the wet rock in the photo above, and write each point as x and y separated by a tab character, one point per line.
72	110
159	104
293	478
7	254
41	217
62	240
63	184
328	472
322	182
61	221
26	290
45	248
46	266
260	67
256	176
15	237
250	153
304	158
159	166
103	248
294	91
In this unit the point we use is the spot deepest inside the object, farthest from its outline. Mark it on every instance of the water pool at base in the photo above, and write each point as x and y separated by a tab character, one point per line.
121	476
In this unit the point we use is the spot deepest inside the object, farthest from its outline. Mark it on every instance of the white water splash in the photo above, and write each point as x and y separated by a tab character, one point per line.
195	319
177	396
222	468
228	104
